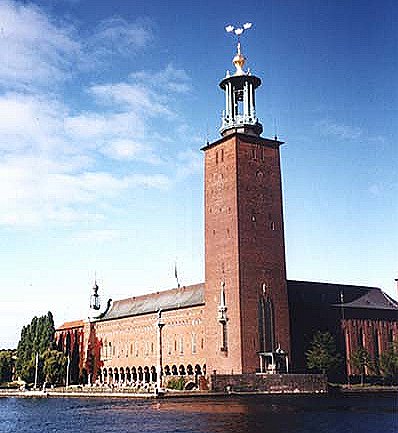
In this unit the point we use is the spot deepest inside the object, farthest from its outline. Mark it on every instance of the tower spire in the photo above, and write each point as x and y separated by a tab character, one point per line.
239	114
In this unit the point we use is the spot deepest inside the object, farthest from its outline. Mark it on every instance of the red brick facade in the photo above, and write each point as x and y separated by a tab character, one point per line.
246	318
376	336
244	249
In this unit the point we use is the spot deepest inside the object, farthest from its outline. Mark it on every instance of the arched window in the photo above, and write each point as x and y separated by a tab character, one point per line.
266	324
134	376
153	374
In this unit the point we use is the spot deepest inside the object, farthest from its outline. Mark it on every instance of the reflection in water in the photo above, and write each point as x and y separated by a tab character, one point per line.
276	414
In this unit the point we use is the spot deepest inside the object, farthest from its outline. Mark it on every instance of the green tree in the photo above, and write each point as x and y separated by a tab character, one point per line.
360	360
37	337
388	363
6	365
322	354
54	366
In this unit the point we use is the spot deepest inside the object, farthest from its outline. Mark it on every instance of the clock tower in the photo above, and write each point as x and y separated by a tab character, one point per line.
247	317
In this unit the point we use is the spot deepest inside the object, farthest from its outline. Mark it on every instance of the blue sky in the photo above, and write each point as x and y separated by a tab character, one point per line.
105	105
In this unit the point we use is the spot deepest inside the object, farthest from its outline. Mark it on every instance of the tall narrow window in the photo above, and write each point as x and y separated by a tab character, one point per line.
376	343
181	345
360	338
224	343
193	343
266	326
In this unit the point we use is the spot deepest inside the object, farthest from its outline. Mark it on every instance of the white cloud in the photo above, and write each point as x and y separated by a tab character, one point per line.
344	132
103	126
129	150
170	79
34	51
38	190
189	162
132	96
116	36
57	167
30	121
97	236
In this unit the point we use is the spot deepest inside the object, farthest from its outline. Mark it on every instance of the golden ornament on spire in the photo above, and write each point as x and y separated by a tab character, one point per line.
239	59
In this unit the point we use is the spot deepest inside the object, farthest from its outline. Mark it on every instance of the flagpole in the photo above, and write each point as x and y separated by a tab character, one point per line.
176	274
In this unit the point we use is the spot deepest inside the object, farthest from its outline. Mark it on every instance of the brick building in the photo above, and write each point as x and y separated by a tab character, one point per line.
246	317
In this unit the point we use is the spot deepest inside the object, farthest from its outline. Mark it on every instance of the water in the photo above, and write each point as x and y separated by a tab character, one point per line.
345	414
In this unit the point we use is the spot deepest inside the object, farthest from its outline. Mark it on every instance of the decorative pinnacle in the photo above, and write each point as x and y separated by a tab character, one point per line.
239	59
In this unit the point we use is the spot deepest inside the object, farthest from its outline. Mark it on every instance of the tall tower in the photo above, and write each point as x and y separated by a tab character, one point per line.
246	296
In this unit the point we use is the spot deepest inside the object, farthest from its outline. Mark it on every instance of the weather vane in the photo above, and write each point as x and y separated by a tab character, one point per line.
238	30
239	59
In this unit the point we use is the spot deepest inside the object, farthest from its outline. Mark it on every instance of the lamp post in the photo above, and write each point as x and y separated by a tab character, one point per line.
36	368
160	324
67	372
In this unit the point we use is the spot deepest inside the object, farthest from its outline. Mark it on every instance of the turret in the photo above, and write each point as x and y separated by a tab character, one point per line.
239	114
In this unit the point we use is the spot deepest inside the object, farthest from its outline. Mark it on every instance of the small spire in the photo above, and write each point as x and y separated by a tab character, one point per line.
239	61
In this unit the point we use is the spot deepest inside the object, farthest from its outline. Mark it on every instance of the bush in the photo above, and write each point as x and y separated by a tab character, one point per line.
177	383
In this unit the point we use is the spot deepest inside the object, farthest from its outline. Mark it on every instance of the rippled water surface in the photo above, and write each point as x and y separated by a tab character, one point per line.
345	414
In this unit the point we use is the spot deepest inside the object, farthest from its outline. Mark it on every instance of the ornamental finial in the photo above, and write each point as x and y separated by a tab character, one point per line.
239	59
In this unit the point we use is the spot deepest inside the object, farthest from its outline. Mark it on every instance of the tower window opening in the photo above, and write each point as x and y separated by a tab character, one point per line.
266	324
222	155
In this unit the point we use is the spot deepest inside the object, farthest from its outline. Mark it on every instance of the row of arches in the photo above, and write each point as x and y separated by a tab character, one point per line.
146	374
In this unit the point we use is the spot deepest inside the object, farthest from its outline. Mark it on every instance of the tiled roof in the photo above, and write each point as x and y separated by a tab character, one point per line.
322	294
374	298
70	325
182	297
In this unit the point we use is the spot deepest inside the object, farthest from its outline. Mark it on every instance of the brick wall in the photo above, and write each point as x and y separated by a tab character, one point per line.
269	383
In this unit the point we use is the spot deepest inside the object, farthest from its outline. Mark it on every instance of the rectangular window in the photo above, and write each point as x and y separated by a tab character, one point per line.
136	350
181	345
224	342
193	343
